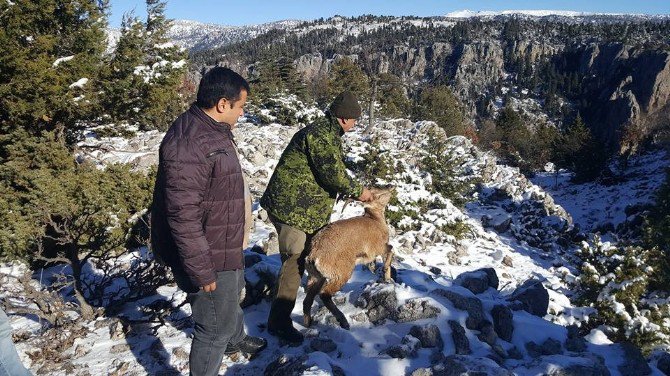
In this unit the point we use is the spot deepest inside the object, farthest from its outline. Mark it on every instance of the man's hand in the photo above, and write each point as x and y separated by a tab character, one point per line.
365	196
209	288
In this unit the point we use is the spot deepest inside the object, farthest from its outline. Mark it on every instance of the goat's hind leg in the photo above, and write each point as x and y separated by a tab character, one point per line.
327	299
314	286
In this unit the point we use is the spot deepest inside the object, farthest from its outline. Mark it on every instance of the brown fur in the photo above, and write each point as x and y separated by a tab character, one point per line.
339	246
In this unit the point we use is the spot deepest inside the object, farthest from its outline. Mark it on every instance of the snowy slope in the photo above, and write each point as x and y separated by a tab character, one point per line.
428	262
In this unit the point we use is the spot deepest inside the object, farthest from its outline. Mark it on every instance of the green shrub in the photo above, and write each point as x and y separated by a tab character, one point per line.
439	104
657	237
58	210
614	281
446	171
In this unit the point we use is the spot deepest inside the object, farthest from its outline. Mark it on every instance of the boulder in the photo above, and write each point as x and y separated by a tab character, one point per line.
428	335
533	297
470	304
416	309
503	322
461	342
634	362
380	302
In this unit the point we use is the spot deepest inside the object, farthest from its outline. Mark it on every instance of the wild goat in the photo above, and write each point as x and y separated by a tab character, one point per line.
339	246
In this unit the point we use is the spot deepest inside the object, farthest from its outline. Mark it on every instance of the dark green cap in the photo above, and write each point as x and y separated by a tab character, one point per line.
345	106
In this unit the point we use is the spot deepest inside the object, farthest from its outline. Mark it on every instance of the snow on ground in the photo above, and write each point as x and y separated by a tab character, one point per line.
594	205
426	262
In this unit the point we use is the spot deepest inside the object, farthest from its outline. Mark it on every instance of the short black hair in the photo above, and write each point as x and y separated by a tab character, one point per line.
220	82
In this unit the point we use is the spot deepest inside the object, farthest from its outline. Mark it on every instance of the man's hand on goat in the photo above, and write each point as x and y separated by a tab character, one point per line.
365	196
209	288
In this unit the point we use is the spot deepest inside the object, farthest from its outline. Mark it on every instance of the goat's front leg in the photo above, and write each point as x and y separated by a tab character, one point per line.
388	257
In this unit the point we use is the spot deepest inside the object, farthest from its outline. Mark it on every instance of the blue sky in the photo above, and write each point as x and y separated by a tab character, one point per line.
245	12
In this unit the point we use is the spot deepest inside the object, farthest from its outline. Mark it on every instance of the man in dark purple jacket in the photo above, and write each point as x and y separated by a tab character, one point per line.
198	218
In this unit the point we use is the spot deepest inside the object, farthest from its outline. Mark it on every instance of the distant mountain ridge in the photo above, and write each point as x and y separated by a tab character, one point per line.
199	36
466	13
195	36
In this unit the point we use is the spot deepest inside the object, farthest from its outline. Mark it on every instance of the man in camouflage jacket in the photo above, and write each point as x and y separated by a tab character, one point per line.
300	197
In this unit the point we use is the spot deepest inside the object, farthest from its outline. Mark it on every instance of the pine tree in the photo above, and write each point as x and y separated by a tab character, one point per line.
580	152
163	73
392	98
346	75
440	105
50	55
122	87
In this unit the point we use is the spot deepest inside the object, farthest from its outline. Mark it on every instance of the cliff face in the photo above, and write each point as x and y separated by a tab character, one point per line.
615	73
627	87
623	85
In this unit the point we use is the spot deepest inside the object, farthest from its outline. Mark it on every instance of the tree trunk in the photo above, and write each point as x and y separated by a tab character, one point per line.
86	310
371	109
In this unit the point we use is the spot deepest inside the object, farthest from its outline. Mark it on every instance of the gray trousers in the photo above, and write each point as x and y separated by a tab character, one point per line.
10	364
218	320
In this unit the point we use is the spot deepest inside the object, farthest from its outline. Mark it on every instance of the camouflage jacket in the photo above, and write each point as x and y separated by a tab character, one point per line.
308	177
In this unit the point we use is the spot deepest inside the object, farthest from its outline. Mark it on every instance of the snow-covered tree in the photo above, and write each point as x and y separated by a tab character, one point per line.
50	55
163	71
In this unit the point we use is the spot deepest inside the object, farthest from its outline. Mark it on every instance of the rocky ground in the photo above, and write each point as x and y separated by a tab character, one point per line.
494	301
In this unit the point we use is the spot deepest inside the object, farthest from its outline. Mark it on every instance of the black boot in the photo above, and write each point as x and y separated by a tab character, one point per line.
248	345
280	323
287	333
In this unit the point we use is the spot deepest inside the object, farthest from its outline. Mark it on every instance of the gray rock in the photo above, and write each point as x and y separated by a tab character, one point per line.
180	353
287	365
533	349
479	280
435	270
81	350
500	351
406	349
261	279
470	304
533	297
325	345
503	322
503	225
551	347
429	336
492	277
575	344
465	365
496	358
514	353
422	372
117	329
580	370
416	309
380	302
461	342
360	317
548	347
589	365
634	362
487	334
121	347
507	261
477	284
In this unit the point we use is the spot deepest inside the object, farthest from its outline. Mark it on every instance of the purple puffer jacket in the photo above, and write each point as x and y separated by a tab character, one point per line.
197	216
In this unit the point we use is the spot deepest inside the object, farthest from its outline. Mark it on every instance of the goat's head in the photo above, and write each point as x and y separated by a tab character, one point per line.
380	198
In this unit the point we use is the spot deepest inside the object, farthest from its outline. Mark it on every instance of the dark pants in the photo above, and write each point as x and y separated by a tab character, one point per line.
218	321
293	248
